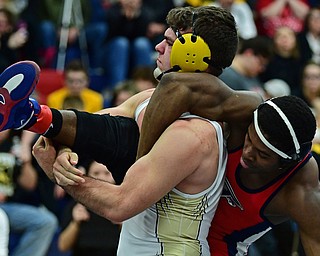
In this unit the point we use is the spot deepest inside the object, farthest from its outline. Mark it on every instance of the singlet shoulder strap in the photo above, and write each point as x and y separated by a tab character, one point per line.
141	106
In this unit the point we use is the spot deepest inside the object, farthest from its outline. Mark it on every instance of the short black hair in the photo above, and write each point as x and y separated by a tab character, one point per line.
276	131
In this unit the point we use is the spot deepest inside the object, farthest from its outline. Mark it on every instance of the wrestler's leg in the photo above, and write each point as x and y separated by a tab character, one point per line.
110	140
114	145
19	111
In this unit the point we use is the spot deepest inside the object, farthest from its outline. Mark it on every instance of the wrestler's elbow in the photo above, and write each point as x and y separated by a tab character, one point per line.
116	217
120	211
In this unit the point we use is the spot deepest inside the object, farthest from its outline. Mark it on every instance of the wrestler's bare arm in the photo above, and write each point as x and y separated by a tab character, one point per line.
198	93
308	224
305	207
310	233
128	107
150	173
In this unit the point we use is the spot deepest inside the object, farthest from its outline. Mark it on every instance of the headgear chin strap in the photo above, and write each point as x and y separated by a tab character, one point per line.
157	73
289	126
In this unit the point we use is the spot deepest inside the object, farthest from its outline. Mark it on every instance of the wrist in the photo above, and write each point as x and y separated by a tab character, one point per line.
76	223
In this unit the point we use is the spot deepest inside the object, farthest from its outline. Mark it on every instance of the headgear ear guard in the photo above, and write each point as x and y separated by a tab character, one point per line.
298	152
190	53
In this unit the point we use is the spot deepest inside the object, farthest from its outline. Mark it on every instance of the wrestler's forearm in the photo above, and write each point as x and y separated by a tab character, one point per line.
98	196
178	93
199	93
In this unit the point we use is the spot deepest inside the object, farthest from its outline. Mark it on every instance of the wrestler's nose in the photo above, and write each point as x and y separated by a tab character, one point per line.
248	153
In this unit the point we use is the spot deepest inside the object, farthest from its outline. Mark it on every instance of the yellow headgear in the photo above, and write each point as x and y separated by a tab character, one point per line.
190	53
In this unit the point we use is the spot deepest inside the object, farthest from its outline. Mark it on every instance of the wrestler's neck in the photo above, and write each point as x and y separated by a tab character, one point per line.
255	180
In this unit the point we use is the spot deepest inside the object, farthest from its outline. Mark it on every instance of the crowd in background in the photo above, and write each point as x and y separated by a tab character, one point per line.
103	52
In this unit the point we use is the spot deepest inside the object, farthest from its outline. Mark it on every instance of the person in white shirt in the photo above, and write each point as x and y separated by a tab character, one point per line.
243	16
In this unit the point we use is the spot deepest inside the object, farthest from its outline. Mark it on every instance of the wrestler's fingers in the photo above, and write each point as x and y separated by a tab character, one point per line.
73	158
67	161
70	173
62	180
68	154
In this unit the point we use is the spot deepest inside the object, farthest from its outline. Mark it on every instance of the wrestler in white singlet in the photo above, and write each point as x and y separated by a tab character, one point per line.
178	224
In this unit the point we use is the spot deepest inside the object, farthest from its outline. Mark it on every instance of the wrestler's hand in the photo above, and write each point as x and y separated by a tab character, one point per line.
64	169
45	154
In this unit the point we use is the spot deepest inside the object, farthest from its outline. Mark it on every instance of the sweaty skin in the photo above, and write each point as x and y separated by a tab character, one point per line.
180	92
301	192
190	170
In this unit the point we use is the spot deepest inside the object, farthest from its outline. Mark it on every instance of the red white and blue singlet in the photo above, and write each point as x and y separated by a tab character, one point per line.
239	219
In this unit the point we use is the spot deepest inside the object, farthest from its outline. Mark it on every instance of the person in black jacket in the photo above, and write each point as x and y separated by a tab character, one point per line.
127	45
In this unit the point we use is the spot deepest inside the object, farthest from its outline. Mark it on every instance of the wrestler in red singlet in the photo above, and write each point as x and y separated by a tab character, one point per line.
239	219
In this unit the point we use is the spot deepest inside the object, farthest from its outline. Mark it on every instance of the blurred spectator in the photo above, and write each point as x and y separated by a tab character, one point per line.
81	32
84	232
309	38
12	39
4	231
251	59
123	91
243	16
52	195
73	102
276	88
98	7
158	10
76	81
15	6
46	193
310	92
25	18
285	63
144	78
314	3
194	3
34	224
310	83
272	14
128	45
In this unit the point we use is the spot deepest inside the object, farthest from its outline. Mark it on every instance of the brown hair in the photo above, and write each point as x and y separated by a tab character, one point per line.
215	25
